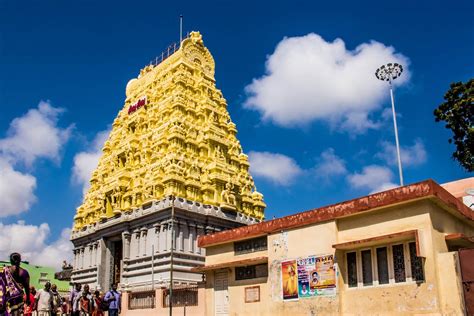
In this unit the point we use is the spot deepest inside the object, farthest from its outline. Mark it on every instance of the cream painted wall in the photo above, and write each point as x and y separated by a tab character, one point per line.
449	282
391	220
439	294
225	253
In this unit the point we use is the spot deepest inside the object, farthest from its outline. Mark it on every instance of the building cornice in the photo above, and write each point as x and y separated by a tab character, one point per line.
422	190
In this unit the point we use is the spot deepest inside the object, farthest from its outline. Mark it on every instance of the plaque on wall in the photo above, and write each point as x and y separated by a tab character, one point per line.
252	294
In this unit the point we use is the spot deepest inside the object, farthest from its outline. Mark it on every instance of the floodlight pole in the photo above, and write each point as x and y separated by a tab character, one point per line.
171	257
388	73
396	135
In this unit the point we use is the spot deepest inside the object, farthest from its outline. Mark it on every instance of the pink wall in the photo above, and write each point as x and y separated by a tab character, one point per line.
160	310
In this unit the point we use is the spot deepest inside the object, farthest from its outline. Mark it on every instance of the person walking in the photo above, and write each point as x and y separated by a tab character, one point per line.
85	304
29	309
44	299
64	307
57	301
97	304
34	305
113	299
74	298
13	281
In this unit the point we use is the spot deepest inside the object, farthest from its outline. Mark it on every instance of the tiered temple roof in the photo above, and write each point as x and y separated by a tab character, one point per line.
174	136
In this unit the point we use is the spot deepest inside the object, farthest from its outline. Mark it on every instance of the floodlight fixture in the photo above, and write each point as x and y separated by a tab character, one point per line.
390	72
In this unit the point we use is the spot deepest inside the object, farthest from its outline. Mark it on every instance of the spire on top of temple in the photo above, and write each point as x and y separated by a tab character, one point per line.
173	136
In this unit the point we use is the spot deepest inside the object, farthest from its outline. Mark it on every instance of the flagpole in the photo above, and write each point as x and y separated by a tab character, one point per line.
180	29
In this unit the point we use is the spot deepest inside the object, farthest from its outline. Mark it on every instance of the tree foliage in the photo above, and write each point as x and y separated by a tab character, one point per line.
458	113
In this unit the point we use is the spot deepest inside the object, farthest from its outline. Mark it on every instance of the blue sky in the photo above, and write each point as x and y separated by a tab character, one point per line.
78	57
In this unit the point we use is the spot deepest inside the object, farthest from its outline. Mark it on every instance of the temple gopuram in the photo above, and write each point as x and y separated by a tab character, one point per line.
172	167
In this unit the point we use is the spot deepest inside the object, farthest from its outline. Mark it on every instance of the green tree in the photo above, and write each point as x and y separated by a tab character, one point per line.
458	113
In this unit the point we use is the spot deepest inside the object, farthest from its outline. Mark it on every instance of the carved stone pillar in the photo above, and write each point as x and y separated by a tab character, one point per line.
195	241
191	235
171	236
76	259
200	232
81	264
164	237
93	254
136	245
143	241
89	259
180	239
156	237
98	256
126	237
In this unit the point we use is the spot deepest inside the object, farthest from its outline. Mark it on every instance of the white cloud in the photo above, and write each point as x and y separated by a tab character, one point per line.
375	178
278	168
308	78
35	135
16	190
31	242
414	155
86	162
330	165
32	136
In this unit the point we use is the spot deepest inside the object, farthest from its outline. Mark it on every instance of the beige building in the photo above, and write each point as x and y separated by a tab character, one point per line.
394	252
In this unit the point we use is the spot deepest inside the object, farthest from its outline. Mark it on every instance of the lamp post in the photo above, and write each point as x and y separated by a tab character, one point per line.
390	72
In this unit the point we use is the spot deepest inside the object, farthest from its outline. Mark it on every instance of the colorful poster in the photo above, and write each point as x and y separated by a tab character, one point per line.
316	276
289	279
324	281
304	266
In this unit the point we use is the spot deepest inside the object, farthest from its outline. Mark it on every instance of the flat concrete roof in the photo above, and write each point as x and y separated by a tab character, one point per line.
421	190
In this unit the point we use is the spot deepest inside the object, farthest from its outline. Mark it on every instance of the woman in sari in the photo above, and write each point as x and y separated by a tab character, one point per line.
13	280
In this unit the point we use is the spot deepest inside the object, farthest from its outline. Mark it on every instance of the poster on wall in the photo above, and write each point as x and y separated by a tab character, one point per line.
304	267
316	276
289	280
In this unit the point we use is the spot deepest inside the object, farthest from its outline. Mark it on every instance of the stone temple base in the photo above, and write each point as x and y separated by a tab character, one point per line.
134	248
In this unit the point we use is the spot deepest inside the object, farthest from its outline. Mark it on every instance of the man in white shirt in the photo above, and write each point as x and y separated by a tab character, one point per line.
44	300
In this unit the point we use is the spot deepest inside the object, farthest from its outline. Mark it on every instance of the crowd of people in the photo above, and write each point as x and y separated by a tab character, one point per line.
18	298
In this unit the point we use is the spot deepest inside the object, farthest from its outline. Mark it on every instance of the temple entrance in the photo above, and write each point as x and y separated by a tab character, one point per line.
117	261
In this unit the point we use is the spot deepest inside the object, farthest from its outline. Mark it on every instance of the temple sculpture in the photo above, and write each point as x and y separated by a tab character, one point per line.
172	145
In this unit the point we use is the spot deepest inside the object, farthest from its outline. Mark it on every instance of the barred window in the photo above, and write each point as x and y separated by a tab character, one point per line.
251	245
187	296
251	272
416	264
366	267
382	265
398	263
390	264
352	269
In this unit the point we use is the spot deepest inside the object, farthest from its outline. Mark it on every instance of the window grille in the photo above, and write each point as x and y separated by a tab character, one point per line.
382	265
366	267
251	272
181	297
352	269
398	263
416	264
141	300
251	245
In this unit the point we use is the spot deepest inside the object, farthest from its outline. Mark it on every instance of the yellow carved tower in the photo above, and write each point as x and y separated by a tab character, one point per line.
174	136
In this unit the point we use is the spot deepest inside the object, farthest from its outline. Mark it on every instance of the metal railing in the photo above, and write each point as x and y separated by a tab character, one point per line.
187	296
166	53
141	300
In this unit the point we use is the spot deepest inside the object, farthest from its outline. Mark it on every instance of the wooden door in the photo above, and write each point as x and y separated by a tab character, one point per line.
466	259
221	293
